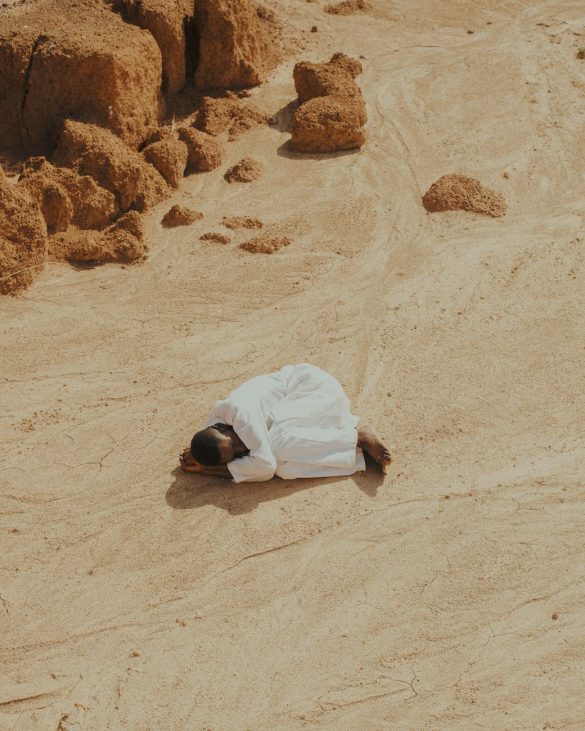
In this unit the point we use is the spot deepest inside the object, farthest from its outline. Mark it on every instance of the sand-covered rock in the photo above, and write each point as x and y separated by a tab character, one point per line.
86	204
458	192
169	156
172	23
234	46
265	244
122	242
215	238
204	152
23	238
348	7
323	79
241	222
91	150
245	171
180	216
328	124
218	115
63	59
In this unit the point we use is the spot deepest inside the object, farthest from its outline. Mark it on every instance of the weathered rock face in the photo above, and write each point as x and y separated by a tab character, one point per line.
234	50
169	156
205	152
172	23
94	151
459	192
323	79
84	63
84	203
328	124
351	65
23	239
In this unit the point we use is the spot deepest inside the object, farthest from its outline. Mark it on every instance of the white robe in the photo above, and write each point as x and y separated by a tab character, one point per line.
296	422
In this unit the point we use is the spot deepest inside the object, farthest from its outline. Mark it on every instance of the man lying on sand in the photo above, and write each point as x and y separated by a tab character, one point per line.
292	423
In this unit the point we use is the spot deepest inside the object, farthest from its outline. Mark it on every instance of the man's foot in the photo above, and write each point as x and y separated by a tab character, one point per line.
188	463
370	442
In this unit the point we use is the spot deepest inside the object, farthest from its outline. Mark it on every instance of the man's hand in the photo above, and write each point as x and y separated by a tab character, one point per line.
189	463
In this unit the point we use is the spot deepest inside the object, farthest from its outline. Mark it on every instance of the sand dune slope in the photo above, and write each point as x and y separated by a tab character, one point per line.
448	595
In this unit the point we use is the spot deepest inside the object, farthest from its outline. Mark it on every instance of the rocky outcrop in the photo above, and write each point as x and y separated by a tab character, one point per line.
85	203
328	124
205	152
172	23
68	60
234	45
169	156
122	242
23	238
93	151
332	113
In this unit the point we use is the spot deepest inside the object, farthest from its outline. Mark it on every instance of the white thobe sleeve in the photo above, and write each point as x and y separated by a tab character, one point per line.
249	425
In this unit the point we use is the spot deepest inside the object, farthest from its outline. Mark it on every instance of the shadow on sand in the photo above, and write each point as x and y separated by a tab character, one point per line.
193	491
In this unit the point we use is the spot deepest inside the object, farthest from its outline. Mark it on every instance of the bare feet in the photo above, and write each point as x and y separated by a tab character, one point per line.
370	442
188	463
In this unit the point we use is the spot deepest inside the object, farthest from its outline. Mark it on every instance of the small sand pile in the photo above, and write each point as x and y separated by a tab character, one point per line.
245	171
122	242
241	222
459	193
332	113
348	7
264	244
180	216
205	152
215	238
169	156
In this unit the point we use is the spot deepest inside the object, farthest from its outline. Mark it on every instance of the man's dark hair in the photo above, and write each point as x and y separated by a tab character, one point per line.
205	447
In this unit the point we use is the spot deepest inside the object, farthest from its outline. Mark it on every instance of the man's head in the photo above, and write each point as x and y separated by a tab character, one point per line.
216	445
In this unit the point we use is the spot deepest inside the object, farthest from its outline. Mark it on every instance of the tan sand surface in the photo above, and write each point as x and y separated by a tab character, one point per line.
135	597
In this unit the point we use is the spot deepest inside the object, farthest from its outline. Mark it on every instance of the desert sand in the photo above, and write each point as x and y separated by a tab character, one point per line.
448	594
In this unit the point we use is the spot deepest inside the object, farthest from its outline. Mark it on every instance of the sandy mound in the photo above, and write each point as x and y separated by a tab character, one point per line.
323	79
234	45
66	197
245	171
458	192
180	216
215	238
218	115
241	222
122	242
205	152
83	61
329	124
169	156
23	238
348	7
96	152
264	244
172	23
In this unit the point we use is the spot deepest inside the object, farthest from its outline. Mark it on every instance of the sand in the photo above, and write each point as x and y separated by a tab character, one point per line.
423	600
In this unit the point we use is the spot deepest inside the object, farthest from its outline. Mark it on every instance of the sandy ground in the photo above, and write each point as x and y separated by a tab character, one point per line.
448	595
